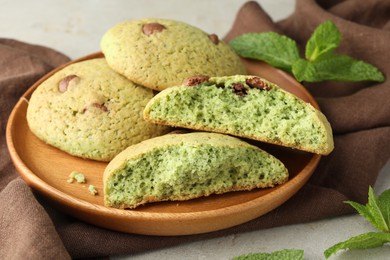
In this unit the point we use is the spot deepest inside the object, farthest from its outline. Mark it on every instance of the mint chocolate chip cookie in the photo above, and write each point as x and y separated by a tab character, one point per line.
187	166
159	53
90	111
245	106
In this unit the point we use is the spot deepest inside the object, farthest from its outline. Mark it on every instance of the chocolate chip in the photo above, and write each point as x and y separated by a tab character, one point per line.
239	89
64	83
195	80
97	105
100	106
220	85
257	82
214	38
150	28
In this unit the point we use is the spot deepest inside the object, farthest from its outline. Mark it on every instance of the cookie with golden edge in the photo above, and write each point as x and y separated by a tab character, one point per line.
159	53
88	110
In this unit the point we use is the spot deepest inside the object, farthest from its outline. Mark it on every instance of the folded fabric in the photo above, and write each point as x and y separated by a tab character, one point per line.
26	229
358	112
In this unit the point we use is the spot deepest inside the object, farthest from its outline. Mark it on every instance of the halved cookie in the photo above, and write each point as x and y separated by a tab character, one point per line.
246	106
187	166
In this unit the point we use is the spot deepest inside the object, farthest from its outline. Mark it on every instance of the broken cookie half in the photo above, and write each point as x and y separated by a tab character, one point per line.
186	166
244	106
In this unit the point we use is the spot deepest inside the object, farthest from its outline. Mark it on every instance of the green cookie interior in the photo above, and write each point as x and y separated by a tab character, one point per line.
271	115
187	166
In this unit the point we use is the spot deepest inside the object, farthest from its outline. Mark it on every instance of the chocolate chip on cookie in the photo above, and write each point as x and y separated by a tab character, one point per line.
151	28
214	38
239	89
195	80
257	82
64	83
100	106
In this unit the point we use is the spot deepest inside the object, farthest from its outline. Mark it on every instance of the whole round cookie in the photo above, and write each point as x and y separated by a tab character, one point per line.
160	53
88	110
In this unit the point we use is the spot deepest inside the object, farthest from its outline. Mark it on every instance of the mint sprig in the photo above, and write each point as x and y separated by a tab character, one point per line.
335	67
377	212
273	48
321	62
323	41
363	241
285	254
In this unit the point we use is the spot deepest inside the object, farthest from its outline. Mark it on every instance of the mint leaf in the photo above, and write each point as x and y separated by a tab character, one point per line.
286	254
384	206
275	49
380	222
363	211
321	62
363	241
376	211
335	67
325	38
304	71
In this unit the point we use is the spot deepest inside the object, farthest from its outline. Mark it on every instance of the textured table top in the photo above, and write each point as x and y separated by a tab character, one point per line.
75	29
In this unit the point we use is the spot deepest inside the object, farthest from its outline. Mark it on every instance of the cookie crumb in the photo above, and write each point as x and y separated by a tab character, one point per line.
76	176
92	190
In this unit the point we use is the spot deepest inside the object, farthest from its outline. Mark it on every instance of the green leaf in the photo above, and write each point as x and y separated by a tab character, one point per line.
363	241
275	49
285	254
335	67
384	206
325	38
372	205
376	211
363	211
321	62
304	71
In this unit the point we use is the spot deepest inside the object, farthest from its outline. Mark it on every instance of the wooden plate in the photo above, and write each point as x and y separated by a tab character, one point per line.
46	170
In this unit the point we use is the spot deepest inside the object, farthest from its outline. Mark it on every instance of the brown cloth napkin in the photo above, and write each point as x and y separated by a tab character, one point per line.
359	113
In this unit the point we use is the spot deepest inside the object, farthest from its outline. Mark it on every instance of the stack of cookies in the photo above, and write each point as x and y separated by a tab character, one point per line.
107	109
